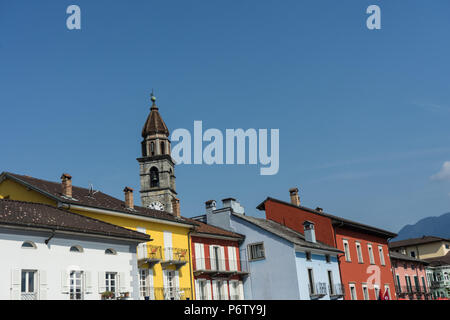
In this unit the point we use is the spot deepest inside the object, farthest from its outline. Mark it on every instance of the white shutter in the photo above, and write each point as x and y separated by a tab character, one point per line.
208	290
198	256
215	289
42	285
88	282
225	290
168	252
177	279
65	281
222	258
241	291
101	282
232	258
197	290
15	284
212	257
122	282
150	284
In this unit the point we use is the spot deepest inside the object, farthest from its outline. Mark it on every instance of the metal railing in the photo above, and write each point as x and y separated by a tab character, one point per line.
170	293
149	252
175	254
213	264
318	289
29	296
336	289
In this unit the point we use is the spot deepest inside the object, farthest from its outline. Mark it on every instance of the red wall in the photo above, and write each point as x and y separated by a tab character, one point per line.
218	242
353	271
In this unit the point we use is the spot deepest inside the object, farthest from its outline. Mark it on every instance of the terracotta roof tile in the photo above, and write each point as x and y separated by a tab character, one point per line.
415	241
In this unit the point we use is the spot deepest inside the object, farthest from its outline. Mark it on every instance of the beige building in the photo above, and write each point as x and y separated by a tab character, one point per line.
426	247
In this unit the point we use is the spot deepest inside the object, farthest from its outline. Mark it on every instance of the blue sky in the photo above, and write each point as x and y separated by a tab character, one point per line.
363	115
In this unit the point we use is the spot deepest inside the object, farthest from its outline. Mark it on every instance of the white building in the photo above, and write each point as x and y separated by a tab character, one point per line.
53	254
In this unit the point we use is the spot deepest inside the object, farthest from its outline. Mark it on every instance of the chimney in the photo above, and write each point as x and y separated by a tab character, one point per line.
210	206
295	198
310	233
66	183
233	204
176	207
319	209
129	201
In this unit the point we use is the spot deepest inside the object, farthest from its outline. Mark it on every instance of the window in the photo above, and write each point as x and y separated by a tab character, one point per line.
152	148
416	283
154	177
346	251
256	251
28	285
76	249
424	285
408	284
365	292
327	258
308	255
372	260
413	254
388	290
202	294
110	251
163	149
29	245
380	251
330	282
413	266
399	287
447	246
377	291
358	251
76	285
311	281
353	291
111	281
146	290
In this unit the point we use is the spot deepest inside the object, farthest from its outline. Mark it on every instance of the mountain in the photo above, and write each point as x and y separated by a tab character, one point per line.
430	226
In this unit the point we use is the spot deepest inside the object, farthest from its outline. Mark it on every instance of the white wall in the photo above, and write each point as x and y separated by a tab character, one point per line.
54	260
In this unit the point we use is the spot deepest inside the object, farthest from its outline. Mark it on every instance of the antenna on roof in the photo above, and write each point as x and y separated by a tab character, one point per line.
91	190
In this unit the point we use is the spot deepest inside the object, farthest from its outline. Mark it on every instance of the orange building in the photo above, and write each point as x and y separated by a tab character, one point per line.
365	266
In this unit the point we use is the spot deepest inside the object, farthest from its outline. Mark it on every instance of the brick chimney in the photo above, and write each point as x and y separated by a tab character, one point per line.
295	198
310	233
176	207
210	206
66	183
129	201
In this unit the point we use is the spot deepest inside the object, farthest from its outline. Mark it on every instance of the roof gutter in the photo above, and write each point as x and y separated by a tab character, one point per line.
119	214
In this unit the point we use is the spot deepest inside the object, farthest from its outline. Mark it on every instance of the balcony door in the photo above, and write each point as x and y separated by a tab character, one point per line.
171	285
217	257
28	285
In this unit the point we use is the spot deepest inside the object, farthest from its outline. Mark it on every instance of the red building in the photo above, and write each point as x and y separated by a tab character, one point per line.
365	265
217	266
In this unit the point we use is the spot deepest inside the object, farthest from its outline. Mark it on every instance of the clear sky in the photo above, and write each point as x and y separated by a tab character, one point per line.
363	115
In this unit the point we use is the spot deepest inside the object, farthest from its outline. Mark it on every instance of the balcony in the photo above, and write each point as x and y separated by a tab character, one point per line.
29	296
436	284
171	293
220	267
336	290
147	253
175	256
317	290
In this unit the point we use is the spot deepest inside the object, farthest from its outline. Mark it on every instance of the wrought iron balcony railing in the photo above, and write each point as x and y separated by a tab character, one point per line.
168	293
29	296
318	289
336	290
213	265
149	253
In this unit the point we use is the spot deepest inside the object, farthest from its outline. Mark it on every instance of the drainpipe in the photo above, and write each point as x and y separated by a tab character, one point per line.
339	259
393	273
190	264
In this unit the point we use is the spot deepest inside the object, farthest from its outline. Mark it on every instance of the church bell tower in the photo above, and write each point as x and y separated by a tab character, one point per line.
156	165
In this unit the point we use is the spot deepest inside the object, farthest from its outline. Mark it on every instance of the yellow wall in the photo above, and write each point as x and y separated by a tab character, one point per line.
428	250
180	237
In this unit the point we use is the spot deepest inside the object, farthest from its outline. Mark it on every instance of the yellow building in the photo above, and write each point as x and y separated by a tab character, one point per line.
426	247
164	263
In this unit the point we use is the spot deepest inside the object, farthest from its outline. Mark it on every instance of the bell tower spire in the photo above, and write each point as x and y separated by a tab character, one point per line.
156	165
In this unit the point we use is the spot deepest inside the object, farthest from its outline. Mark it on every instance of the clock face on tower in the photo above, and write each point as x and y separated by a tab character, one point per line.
156	205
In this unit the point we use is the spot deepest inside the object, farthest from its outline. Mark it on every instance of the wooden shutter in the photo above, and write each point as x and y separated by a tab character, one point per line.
168	252
122	282
222	258
208	290
215	289
15	284
65	281
241	290
42	285
225	290
177	279
212	258
88	282
101	282
197	290
198	257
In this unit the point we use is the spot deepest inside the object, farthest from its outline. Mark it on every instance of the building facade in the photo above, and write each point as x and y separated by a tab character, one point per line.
219	270
365	266
410	277
282	263
426	247
438	273
54	254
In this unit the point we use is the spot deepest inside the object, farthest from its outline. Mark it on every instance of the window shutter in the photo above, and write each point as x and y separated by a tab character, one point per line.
208	290
42	285
177	279
198	257
197	290
212	258
225	290
101	282
64	281
202	255
222	258
215	290
88	282
15	284
122	282
241	290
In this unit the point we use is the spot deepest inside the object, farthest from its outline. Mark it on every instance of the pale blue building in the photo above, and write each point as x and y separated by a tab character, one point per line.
283	264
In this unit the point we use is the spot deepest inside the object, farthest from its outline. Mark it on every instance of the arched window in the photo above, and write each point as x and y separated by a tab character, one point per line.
110	251
152	148
76	249
154	177
163	151
29	245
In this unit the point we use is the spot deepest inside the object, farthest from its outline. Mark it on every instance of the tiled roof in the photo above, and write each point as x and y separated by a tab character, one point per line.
336	219
439	261
209	229
415	241
285	232
84	197
154	124
36	215
401	256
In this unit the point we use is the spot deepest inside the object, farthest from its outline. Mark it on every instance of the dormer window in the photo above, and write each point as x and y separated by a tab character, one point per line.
76	249
29	245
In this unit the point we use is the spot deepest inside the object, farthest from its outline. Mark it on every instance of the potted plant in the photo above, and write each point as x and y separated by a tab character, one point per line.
107	295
